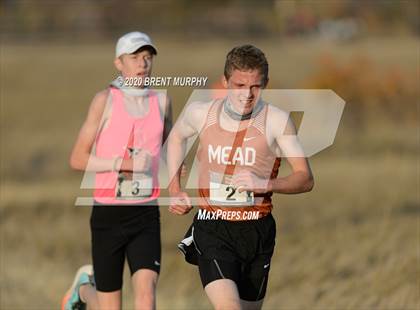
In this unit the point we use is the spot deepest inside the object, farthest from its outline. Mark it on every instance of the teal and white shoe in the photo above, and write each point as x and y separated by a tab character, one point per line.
71	300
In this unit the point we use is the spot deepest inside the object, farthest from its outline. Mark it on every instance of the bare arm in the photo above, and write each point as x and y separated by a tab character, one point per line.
81	153
184	128
82	158
301	179
188	124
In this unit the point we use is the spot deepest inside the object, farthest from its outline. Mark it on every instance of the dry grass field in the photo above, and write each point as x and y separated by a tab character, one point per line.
351	243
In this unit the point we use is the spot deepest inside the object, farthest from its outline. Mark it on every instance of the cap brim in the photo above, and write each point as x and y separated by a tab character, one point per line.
140	45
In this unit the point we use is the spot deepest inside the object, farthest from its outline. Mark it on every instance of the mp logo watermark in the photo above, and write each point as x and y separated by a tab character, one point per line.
320	113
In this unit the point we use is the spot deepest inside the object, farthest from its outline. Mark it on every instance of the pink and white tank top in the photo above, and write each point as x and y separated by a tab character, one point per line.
123	134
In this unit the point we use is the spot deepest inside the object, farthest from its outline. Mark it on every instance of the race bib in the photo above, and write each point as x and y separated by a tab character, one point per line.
137	186
224	193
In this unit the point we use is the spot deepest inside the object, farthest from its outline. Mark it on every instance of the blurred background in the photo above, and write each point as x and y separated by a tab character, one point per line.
351	243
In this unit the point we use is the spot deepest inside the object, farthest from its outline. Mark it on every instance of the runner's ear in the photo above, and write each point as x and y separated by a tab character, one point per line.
118	64
224	82
266	83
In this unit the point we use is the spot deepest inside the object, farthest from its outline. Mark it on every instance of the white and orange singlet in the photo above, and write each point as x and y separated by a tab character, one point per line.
222	153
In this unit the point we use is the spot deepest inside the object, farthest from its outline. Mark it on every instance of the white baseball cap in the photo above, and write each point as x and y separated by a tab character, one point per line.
131	42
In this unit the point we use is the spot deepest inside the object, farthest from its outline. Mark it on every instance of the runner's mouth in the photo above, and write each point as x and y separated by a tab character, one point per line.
247	103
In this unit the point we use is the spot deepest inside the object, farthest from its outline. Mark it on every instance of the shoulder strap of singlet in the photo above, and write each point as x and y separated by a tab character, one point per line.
117	99
259	122
212	114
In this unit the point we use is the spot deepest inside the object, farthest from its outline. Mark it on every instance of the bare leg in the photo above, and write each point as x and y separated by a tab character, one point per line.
144	286
223	294
96	300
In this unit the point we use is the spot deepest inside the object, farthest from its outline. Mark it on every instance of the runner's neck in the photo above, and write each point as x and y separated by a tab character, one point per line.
228	109
131	91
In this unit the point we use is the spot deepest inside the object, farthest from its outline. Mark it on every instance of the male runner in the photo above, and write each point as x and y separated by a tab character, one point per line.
127	125
241	142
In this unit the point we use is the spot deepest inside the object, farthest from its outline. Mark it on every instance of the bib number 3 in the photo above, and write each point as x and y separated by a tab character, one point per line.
139	187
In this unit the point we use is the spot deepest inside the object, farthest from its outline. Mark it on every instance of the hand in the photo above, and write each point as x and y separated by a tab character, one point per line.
140	162
247	181
180	203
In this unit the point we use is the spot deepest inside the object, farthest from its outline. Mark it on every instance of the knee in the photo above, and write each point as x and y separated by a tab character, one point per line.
228	305
144	300
144	283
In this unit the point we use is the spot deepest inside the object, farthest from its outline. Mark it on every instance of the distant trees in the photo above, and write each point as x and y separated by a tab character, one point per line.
92	18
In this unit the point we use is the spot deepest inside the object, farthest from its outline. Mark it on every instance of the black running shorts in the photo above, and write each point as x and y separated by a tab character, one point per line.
240	251
123	231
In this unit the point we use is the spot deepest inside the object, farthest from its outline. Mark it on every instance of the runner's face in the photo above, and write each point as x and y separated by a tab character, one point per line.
135	65
244	89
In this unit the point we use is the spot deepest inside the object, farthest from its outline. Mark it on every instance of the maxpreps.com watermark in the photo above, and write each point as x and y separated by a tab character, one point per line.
227	215
163	81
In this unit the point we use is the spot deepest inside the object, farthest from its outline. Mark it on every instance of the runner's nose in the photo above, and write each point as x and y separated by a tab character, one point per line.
246	93
143	63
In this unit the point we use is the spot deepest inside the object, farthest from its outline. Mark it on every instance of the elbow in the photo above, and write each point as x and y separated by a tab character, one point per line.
309	184
74	163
